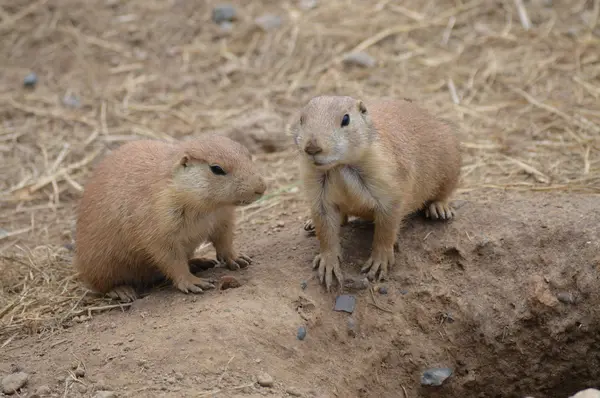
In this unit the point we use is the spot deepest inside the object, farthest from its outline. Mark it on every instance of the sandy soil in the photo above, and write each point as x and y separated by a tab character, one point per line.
505	295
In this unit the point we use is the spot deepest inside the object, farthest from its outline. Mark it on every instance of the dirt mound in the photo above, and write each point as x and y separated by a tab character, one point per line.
506	295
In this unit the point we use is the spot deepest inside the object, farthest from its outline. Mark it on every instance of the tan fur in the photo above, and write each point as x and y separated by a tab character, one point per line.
148	206
392	159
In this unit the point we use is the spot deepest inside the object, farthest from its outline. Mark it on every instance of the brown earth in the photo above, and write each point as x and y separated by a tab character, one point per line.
506	295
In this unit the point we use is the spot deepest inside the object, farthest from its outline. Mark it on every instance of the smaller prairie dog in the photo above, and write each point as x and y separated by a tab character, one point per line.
378	161
148	206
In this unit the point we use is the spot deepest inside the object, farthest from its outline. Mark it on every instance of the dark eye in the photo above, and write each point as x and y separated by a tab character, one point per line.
345	120
301	120
217	170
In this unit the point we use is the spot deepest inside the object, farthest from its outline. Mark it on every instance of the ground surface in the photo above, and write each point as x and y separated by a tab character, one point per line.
481	295
506	295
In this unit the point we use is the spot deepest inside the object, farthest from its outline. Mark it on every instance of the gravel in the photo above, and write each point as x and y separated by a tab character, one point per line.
301	333
265	380
268	21
13	382
435	376
361	59
30	80
346	303
223	13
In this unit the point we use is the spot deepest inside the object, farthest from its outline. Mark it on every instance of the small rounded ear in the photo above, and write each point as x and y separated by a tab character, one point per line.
362	107
184	161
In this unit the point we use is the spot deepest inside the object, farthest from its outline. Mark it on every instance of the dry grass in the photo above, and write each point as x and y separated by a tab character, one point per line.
521	77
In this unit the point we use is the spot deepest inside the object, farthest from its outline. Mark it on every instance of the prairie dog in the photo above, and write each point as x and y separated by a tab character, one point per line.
379	161
148	206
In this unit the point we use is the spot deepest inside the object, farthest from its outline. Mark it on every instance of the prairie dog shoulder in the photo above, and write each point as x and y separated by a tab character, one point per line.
149	204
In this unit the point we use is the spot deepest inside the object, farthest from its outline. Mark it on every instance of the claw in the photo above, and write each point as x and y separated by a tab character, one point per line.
201	264
234	264
309	226
378	264
439	211
328	266
193	284
123	293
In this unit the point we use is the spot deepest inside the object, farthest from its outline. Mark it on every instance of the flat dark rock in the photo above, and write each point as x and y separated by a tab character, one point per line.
345	302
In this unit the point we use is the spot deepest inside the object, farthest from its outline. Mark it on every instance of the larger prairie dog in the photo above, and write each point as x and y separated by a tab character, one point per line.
148	206
378	161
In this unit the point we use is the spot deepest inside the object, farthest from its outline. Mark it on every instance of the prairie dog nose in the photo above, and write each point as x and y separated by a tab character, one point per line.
312	148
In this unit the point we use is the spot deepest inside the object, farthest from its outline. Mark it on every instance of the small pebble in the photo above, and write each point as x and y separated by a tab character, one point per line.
303	285
80	371
268	22
140	54
345	302
293	392
383	290
223	13
14	368
435	376
403	291
229	282
356	284
226	27
178	376
360	59
447	317
351	327
308	4
30	80
301	333
265	380
13	382
71	101
42	391
565	297
105	394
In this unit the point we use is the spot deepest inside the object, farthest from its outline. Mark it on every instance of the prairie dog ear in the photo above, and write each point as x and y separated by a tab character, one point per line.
362	107
184	160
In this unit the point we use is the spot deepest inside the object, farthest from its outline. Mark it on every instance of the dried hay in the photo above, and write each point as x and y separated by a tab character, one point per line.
521	77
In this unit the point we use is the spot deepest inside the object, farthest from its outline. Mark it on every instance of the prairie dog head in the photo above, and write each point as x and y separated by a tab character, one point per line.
333	130
215	170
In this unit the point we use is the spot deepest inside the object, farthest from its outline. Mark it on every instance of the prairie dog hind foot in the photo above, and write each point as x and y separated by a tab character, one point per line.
439	210
309	225
199	264
124	293
192	284
235	262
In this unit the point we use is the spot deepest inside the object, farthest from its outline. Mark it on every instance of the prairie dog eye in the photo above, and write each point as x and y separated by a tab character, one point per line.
301	120
345	120
217	170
